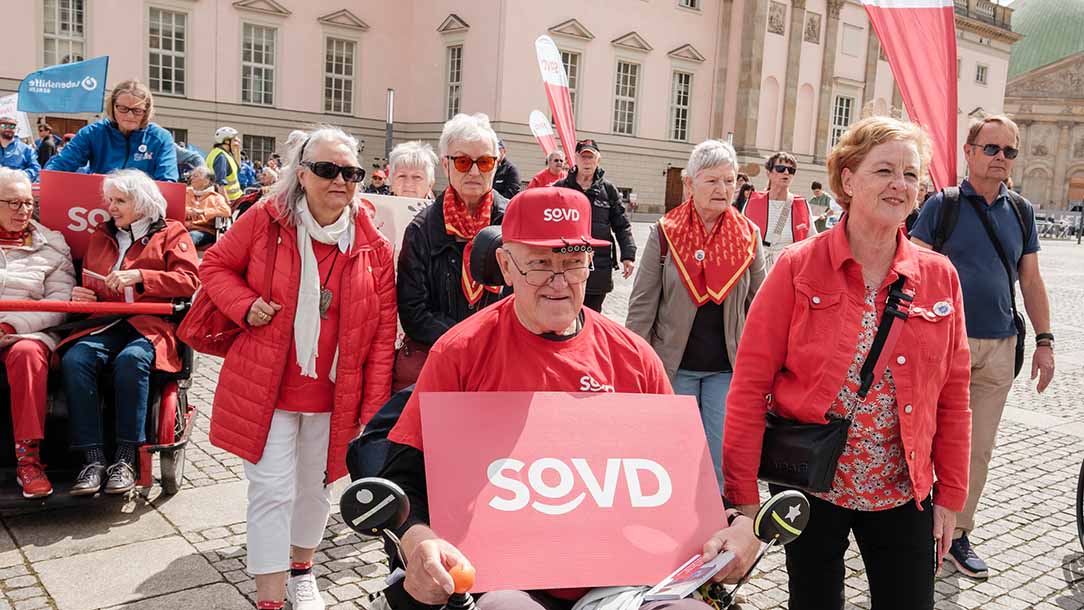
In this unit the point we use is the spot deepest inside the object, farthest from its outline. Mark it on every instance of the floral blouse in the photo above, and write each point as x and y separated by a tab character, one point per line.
872	472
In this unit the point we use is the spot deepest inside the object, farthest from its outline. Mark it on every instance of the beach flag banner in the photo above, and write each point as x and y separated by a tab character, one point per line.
556	83
540	127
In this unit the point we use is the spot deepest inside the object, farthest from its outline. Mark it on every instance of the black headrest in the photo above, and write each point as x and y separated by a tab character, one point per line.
483	257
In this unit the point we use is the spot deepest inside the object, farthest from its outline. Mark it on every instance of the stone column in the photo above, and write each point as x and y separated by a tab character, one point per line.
1025	151
1060	190
721	60
828	73
873	50
794	59
897	98
754	25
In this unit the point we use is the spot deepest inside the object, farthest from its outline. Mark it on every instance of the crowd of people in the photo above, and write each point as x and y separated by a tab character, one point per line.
739	300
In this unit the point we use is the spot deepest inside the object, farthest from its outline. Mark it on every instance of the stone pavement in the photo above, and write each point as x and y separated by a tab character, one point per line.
187	551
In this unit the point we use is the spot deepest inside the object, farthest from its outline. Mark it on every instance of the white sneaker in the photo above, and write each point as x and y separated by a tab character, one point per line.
303	593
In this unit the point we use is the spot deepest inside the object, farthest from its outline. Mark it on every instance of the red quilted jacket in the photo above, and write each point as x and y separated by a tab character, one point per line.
233	273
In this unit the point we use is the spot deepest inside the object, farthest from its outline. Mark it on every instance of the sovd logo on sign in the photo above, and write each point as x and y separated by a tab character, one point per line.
83	219
603	493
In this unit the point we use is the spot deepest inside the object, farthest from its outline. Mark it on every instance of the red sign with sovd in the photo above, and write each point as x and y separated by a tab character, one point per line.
552	490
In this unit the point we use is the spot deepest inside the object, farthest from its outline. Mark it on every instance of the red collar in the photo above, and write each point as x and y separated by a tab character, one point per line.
839	250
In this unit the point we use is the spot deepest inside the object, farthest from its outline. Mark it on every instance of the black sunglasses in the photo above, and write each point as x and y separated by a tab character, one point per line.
785	168
991	150
329	171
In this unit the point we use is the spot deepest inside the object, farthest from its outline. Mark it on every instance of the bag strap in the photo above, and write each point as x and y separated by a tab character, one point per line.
950	213
887	334
981	213
1019	202
664	244
272	251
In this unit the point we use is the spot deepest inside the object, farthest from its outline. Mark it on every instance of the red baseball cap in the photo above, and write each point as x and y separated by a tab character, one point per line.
551	216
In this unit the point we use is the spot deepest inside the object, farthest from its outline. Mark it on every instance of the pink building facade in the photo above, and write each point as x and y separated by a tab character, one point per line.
650	77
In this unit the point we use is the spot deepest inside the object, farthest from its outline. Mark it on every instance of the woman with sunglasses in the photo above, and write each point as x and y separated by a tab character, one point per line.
37	266
782	216
310	282
436	289
126	139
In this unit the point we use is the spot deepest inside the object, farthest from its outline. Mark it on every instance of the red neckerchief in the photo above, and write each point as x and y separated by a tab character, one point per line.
709	262
459	222
15	239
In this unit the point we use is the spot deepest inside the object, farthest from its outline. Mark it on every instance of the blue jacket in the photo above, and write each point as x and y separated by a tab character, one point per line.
105	148
246	175
19	155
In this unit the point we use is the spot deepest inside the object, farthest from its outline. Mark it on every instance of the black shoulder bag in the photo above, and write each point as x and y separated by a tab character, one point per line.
804	456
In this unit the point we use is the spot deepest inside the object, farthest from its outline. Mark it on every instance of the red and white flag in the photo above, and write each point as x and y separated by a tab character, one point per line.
556	82
919	40
540	127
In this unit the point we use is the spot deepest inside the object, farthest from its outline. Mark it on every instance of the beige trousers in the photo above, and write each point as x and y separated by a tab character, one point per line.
992	363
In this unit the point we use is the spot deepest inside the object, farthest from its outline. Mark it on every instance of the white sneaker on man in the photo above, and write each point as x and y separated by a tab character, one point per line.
303	593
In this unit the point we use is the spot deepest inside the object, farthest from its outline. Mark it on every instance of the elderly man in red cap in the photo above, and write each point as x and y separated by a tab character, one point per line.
554	342
378	184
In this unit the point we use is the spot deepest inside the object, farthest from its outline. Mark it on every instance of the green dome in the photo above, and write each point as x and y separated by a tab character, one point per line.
1052	29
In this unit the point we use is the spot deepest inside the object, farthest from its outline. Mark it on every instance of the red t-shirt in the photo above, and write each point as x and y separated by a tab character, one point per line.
491	351
545	178
302	394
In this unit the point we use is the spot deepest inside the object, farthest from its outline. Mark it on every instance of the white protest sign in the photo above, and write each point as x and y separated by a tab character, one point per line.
9	106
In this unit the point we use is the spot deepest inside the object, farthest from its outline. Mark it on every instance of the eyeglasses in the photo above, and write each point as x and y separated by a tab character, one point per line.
16	204
779	169
8	125
329	171
544	277
463	163
991	150
136	112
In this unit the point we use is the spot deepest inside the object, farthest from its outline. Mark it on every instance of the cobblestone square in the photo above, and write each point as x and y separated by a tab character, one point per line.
189	550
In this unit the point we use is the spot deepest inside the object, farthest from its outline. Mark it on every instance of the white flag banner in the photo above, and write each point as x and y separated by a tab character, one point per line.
391	215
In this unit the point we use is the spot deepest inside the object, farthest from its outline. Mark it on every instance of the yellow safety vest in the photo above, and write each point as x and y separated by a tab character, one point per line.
233	185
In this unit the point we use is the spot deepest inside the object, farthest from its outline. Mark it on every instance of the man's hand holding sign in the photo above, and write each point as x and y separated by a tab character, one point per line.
546	491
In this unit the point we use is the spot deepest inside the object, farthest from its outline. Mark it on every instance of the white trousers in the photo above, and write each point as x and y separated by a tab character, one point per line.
288	503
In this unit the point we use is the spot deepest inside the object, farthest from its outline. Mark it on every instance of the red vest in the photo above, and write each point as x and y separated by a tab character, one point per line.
757	211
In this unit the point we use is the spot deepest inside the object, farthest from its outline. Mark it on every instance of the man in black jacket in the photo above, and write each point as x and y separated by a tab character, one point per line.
506	178
607	217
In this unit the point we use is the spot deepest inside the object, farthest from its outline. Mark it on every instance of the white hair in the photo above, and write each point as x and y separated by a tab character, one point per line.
287	191
709	154
144	193
414	153
14	175
467	128
550	156
202	170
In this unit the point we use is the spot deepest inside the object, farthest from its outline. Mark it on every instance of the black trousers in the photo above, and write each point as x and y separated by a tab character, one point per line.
594	301
897	549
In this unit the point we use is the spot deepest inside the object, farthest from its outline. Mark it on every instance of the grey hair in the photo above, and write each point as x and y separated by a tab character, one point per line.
14	175
467	128
144	193
287	191
414	153
709	154
202	170
550	156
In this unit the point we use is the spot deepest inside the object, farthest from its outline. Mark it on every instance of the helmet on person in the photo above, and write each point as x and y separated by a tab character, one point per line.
225	133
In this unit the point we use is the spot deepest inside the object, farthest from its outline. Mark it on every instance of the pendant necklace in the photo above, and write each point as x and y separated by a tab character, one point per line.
325	293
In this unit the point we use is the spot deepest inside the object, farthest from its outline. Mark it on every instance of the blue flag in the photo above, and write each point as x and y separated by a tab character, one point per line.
67	88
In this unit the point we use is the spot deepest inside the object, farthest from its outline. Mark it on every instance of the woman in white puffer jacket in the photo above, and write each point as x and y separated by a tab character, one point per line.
35	264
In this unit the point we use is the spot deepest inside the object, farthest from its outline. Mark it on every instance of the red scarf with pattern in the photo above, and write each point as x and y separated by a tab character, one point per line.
15	239
459	222
709	262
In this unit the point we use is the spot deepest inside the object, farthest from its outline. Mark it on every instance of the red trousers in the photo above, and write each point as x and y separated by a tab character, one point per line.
27	365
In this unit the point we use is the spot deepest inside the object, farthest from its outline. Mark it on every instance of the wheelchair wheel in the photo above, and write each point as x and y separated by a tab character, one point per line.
172	470
1080	506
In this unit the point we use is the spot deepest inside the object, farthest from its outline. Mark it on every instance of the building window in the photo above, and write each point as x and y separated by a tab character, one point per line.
339	76
166	42
628	77
258	65
959	67
571	61
454	73
258	148
842	111
980	74
63	28
180	136
693	4
680	92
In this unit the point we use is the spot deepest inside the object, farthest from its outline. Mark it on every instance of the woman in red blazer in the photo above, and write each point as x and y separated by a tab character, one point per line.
312	364
903	473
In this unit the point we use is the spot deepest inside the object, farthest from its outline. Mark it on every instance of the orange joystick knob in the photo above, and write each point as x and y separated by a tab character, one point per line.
463	577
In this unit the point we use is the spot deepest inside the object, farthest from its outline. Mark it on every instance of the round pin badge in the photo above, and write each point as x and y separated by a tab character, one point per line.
142	148
699	255
942	308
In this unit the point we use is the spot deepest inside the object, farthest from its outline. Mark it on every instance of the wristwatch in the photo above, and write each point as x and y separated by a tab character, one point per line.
732	515
1044	340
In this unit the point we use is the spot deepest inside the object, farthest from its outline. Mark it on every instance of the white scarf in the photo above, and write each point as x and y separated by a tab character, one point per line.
307	317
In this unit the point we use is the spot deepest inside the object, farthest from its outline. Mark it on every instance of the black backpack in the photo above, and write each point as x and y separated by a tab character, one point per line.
950	213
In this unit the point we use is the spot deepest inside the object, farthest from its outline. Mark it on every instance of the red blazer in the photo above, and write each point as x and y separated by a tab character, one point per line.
233	272
169	264
817	285
757	211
